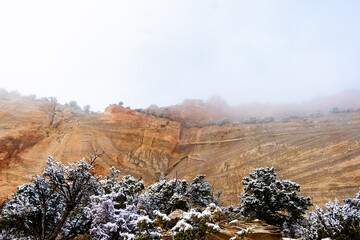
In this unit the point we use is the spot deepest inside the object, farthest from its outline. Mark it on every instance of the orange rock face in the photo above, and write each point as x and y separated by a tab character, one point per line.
320	153
138	144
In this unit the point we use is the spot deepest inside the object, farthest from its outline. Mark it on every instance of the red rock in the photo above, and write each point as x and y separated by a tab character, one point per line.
320	153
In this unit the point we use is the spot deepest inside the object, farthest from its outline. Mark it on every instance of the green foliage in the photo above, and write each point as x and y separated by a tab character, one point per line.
52	204
69	201
200	192
31	204
129	188
147	229
272	200
165	196
111	182
161	219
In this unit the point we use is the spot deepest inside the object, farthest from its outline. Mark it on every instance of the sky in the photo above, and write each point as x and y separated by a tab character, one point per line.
164	51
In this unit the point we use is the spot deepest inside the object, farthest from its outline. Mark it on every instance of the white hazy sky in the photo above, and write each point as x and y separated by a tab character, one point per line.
161	52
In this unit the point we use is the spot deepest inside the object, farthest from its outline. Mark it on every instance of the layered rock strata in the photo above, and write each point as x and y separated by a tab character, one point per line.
321	153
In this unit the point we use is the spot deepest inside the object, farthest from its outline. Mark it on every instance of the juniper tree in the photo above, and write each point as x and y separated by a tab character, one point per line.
52	205
68	200
128	189
200	191
33	211
109	222
114	213
336	222
276	202
168	196
196	225
165	196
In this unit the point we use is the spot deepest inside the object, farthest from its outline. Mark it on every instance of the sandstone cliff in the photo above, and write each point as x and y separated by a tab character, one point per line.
321	153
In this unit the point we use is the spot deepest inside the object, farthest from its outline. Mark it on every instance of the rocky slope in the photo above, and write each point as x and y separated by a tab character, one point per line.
321	153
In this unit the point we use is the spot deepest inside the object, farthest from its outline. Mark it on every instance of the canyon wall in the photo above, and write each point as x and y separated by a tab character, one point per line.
321	153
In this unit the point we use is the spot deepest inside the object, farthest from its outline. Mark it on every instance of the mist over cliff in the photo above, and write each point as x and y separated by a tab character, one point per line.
319	150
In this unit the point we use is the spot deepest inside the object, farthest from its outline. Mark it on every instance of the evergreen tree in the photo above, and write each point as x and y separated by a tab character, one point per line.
200	191
69	200
52	205
109	222
165	196
195	225
336	222
129	189
272	200
168	196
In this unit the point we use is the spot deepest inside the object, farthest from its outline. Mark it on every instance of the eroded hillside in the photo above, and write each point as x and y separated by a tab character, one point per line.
321	153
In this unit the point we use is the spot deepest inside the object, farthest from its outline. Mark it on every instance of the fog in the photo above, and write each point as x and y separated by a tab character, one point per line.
162	52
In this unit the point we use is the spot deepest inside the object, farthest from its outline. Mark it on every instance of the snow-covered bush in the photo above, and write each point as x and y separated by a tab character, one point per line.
50	206
147	229
336	222
131	189
109	221
161	219
111	183
229	212
216	211
272	200
182	230
165	196
195	225
32	204
69	200
128	189
78	222
200	192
